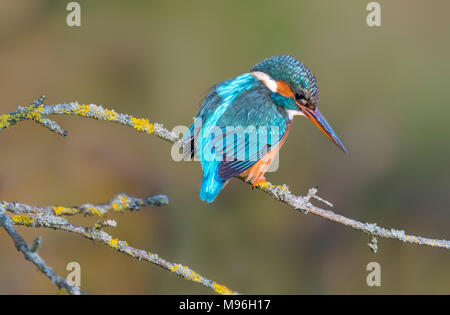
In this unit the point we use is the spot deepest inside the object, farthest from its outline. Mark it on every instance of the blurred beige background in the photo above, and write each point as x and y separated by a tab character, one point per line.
384	91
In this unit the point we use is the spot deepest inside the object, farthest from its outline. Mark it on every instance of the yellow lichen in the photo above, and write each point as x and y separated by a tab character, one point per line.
186	272
263	184
116	206
142	124
122	203
63	291
36	113
96	211
82	110
110	114
4	121
64	210
113	242
221	289
22	219
195	277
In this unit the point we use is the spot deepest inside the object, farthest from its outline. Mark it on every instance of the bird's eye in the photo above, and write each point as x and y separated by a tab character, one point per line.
299	96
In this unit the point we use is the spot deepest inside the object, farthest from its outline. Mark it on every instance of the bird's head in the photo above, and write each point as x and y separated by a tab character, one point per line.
294	89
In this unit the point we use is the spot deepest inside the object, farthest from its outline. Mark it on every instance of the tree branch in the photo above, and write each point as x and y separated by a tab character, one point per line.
301	203
30	253
38	113
119	203
47	217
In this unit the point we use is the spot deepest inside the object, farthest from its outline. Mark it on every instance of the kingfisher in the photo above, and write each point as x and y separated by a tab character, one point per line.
243	122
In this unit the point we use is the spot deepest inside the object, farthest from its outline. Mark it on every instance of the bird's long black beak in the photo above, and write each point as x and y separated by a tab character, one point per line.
317	118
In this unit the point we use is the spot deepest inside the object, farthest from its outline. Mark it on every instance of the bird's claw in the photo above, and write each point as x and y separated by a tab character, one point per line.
259	182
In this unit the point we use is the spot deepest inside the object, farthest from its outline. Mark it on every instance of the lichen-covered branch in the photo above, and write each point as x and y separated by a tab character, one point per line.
38	112
302	203
119	203
30	253
50	217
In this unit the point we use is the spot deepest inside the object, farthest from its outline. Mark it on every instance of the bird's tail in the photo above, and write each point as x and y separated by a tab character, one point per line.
212	183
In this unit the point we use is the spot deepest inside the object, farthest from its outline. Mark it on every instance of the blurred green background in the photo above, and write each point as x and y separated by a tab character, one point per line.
384	90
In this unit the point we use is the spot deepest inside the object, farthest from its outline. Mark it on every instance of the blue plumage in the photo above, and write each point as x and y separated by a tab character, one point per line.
240	102
244	118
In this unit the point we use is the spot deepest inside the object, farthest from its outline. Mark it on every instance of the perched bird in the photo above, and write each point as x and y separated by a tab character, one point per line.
244	121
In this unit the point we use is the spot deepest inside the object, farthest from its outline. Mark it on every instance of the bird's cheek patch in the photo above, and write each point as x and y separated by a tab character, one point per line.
284	89
280	87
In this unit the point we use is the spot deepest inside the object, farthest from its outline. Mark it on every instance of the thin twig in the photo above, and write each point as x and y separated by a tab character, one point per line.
300	203
119	203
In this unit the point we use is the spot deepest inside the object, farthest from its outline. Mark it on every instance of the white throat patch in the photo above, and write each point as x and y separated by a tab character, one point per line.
293	113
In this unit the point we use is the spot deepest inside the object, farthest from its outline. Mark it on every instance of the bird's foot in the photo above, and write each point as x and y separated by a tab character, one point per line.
261	182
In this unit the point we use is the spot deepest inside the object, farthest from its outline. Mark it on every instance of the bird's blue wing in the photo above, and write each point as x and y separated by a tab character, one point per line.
207	108
242	103
264	126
